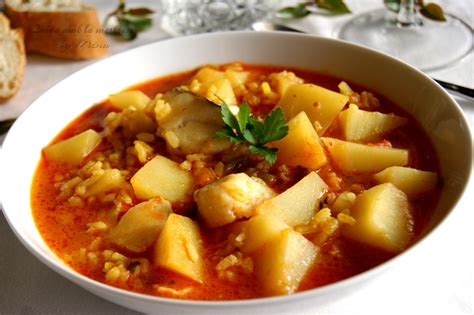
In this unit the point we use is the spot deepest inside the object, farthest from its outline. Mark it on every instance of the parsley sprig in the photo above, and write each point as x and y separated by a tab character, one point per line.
129	22
248	129
329	7
430	10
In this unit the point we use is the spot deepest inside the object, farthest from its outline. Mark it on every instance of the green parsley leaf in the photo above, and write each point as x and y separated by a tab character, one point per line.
130	25
229	133
433	11
298	11
274	126
249	136
140	23
244	114
140	11
270	154
248	129
392	5
128	22
126	29
229	118
333	6
257	129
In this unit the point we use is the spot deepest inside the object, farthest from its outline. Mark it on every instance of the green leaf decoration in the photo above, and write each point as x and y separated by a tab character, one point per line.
139	11
244	114
392	5
303	9
248	129
333	6
139	23
227	132
270	154
126	29
433	11
229	118
274	126
130	21
298	11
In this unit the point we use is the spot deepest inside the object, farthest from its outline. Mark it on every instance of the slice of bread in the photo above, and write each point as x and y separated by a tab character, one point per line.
61	28
12	59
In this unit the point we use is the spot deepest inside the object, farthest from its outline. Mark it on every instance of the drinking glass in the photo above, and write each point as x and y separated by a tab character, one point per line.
184	17
423	43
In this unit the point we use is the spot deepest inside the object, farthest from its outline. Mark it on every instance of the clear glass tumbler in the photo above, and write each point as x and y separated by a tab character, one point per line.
184	17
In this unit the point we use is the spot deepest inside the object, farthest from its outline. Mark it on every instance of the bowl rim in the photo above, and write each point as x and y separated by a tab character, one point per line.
63	269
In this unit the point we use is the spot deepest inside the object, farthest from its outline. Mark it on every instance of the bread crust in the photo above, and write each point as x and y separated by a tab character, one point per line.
63	34
4	23
20	46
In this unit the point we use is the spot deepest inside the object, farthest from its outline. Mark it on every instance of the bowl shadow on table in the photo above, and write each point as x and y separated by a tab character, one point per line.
29	287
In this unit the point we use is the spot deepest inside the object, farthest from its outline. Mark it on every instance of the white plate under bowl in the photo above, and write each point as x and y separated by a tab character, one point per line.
437	112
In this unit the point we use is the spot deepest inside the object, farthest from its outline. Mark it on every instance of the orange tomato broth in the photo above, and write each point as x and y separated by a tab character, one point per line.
63	226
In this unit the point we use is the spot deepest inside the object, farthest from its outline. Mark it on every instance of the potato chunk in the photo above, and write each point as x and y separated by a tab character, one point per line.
179	248
361	125
302	146
216	85
281	264
74	149
236	78
162	177
140	226
221	90
358	158
282	80
208	75
230	198
296	205
125	99
320	104
409	180
259	230
382	218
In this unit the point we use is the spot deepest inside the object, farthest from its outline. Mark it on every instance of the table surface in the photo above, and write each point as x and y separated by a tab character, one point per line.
436	279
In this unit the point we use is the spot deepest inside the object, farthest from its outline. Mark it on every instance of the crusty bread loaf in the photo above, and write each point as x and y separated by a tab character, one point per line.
12	59
62	28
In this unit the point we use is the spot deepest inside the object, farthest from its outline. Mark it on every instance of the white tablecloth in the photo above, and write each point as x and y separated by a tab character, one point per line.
437	279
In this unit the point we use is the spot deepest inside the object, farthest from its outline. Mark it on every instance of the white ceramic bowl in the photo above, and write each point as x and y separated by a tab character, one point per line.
437	112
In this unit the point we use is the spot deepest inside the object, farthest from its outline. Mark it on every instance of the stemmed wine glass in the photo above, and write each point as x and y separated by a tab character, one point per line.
423	43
